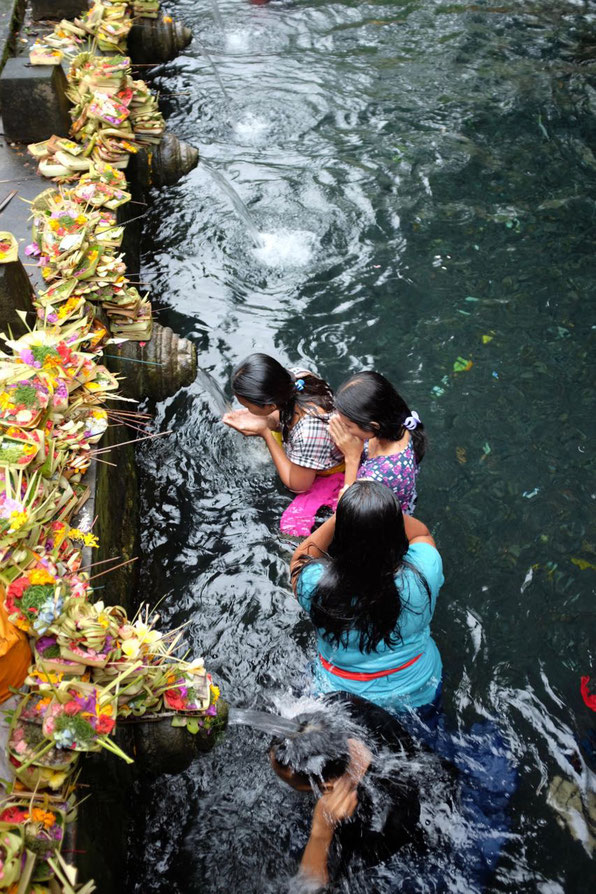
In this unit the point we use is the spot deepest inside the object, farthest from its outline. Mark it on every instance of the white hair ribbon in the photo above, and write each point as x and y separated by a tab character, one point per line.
410	422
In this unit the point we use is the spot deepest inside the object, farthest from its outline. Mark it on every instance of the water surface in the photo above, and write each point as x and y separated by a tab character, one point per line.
422	175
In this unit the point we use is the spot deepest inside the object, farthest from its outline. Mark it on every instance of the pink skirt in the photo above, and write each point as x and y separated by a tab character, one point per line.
299	517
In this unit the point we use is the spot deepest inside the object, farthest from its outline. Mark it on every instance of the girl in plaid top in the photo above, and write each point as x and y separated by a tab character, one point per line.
296	404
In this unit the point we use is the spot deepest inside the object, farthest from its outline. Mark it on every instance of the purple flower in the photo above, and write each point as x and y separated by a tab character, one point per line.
27	356
211	711
44	642
32	250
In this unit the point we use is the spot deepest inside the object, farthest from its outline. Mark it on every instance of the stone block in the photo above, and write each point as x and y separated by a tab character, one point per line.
57	9
33	101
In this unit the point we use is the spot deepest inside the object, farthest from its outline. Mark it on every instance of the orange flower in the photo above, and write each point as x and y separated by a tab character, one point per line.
42	816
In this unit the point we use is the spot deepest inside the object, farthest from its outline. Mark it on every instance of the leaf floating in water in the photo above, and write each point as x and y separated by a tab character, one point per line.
460	452
583	564
470	298
487	338
486	448
462	365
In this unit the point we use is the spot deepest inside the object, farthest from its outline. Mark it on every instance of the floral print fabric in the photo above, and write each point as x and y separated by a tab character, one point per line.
398	471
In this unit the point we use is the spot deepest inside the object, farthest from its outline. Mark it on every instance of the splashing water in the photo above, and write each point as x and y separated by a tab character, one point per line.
217	75
286	248
239	206
263	721
251	128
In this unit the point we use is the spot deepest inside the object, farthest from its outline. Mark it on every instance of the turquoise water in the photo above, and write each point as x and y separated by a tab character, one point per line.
423	179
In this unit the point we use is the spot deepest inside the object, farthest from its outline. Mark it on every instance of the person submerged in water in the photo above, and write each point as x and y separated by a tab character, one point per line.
379	436
290	410
369	578
365	771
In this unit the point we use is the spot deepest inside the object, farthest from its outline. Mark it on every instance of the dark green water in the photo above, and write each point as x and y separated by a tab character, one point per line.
424	176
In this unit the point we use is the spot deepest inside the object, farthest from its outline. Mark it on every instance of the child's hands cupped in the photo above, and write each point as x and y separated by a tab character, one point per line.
245	423
350	445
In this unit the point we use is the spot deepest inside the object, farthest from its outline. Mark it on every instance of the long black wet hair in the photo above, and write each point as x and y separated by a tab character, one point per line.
357	590
371	401
261	380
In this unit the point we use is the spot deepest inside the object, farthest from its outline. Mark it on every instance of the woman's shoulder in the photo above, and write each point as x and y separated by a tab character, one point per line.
307	581
426	558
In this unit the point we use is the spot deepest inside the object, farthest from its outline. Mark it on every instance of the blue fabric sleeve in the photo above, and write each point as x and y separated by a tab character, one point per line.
307	581
427	560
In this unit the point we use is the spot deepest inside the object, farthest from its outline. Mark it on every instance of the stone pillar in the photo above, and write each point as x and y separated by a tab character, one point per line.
168	364
33	101
163	748
152	41
164	165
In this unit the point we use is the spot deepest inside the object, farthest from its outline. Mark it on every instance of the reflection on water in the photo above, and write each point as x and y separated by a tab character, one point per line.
420	173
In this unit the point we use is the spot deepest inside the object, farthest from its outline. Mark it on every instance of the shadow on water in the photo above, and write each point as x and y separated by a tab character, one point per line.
425	171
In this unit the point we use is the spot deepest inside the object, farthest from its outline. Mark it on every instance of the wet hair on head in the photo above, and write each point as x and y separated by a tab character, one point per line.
371	401
262	380
357	591
318	750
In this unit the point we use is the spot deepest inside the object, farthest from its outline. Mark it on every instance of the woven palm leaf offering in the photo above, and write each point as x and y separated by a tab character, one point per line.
11	854
37	762
9	248
35	600
81	716
18	448
23	402
88	632
28	502
40	821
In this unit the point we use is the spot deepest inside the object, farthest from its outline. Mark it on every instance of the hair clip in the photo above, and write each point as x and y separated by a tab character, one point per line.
299	384
411	422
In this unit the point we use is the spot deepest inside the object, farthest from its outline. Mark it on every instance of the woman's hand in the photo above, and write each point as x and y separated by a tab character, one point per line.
246	423
336	806
360	760
350	445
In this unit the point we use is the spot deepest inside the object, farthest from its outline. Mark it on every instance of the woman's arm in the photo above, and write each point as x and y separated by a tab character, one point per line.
297	478
330	810
315	544
417	532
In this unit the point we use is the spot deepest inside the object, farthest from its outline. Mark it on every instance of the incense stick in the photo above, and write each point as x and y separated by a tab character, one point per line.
113	568
160	434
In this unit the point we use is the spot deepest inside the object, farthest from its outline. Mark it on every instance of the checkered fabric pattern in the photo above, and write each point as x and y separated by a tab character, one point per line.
309	444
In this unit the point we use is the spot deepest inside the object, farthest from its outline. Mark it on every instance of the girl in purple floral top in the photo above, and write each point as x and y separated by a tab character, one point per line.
380	437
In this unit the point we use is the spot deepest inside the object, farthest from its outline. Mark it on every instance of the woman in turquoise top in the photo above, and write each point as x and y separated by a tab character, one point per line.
369	579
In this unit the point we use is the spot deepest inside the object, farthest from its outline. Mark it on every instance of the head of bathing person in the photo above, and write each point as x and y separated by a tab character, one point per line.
370	407
262	385
315	756
357	590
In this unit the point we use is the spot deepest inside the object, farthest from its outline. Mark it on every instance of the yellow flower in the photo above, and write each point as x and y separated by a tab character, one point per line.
40	576
167	19
145	634
86	537
17	520
131	647
214	693
5	400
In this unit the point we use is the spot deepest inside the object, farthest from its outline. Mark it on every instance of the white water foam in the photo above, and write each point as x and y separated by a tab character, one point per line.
237	41
251	128
286	248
